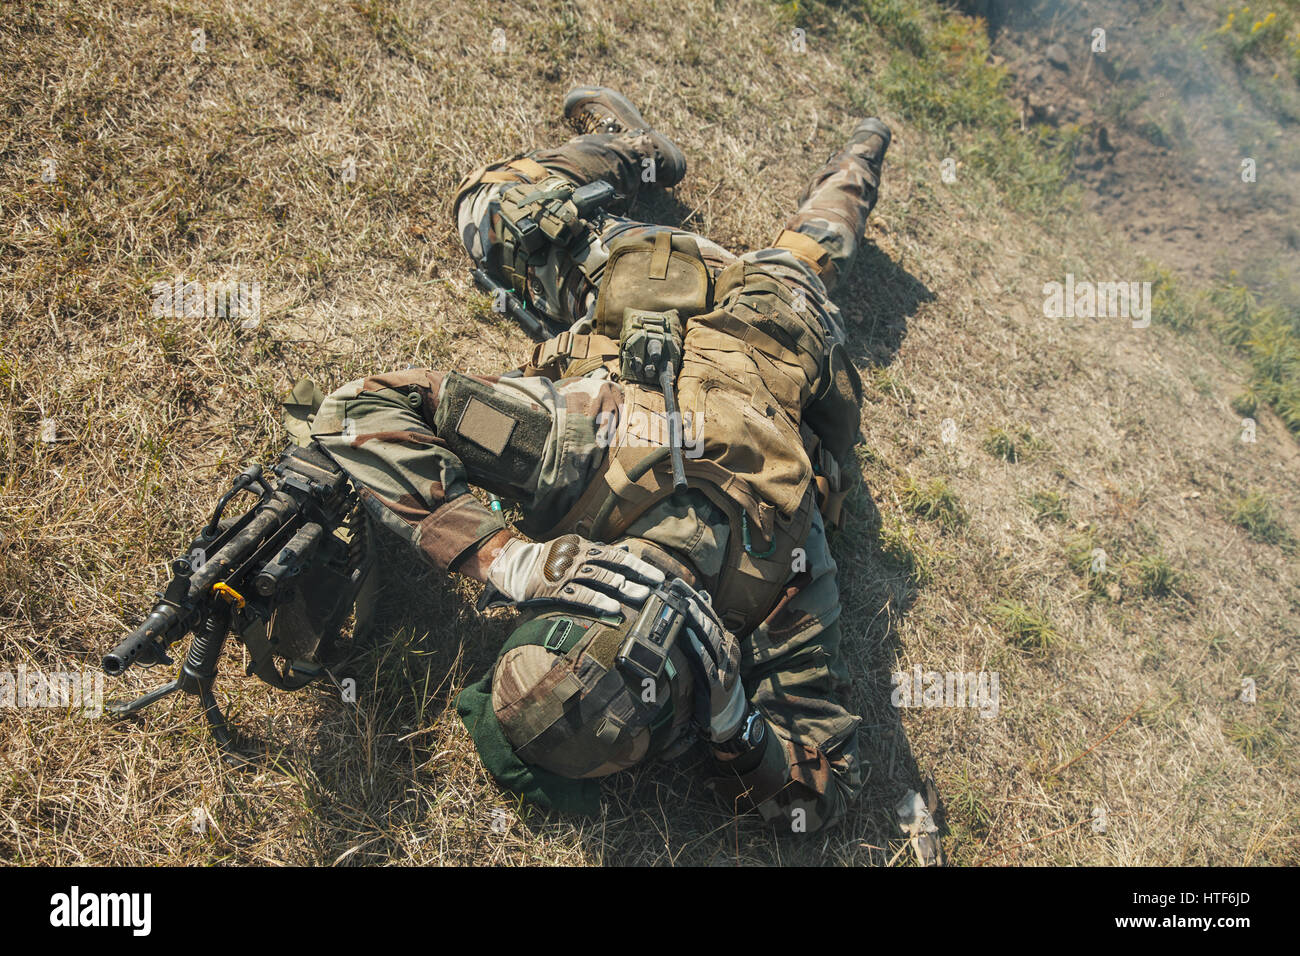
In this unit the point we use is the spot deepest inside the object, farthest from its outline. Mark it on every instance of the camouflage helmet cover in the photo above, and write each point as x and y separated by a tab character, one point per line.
566	706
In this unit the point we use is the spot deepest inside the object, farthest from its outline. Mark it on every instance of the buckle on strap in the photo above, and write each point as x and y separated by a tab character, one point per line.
557	636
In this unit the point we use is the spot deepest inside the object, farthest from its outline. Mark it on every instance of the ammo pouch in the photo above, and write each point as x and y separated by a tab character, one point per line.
651	342
833	417
835	411
656	272
534	216
831	482
830	429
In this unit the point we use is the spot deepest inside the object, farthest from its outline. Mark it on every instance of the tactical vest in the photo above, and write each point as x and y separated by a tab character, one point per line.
741	392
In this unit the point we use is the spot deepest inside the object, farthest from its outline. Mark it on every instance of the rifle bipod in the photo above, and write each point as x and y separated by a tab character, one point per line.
197	675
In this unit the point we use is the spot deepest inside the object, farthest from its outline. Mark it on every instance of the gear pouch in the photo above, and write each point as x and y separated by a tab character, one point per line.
657	272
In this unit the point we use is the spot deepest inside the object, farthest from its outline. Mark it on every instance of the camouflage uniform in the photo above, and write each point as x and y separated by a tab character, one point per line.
394	434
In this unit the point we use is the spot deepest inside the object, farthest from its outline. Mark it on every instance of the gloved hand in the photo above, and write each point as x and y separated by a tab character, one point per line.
717	656
573	570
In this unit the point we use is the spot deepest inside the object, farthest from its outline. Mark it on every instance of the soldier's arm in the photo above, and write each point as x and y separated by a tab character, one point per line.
479	557
382	430
414	441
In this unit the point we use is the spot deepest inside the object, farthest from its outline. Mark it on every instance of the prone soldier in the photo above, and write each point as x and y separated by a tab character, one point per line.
666	598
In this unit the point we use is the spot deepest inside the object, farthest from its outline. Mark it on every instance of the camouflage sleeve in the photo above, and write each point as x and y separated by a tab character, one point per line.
380	431
808	772
415	441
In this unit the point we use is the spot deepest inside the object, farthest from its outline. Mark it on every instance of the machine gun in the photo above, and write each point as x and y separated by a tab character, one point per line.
282	577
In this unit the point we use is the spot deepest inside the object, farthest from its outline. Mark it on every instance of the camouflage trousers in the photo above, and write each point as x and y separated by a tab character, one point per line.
827	227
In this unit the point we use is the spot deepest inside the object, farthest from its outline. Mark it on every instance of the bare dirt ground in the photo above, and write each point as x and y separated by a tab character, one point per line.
1166	125
1121	691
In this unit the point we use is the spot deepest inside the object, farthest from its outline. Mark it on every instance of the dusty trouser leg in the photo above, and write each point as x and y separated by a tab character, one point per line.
833	210
794	670
630	162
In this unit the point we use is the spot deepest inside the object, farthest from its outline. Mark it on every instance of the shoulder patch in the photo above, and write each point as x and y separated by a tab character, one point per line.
485	426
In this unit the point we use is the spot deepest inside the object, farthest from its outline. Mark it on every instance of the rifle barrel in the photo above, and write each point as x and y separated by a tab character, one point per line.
167	622
516	309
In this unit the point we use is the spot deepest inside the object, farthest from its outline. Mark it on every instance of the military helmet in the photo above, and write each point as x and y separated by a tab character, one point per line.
558	711
567	706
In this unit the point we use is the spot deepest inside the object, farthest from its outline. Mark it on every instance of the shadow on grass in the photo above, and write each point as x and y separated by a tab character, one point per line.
878	296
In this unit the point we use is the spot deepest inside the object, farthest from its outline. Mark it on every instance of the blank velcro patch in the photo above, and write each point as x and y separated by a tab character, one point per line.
485	426
498	437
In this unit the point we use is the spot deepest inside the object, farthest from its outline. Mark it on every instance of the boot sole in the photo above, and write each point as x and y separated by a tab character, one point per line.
623	108
873	126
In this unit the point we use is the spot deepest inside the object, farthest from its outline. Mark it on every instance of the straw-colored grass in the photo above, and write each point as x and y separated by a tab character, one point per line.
230	164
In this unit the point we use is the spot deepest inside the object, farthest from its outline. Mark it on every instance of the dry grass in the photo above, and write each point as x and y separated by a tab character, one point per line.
228	164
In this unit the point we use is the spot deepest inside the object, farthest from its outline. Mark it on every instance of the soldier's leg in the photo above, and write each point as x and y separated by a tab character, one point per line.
415	441
615	145
789	284
832	215
793	669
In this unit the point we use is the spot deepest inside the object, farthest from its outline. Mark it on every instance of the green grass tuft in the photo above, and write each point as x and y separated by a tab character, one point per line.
1156	576
934	501
1024	627
1011	444
1048	506
942	78
905	549
1245	403
1256	514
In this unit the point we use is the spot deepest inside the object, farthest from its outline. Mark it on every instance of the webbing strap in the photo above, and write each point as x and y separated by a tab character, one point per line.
509	173
563	636
530	167
587	345
724	329
545	353
805	247
573	348
659	259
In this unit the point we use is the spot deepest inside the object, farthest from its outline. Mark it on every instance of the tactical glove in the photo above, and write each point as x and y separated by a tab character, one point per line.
574	571
720	709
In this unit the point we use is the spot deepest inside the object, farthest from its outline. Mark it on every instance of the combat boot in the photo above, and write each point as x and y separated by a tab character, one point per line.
599	109
875	136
